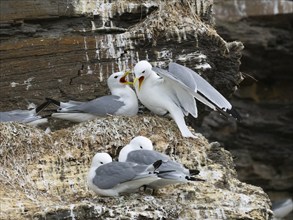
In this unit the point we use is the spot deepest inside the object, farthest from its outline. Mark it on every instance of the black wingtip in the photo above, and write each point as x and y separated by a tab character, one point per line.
191	178
194	172
166	171
42	106
230	112
53	101
47	116
223	112
234	113
157	164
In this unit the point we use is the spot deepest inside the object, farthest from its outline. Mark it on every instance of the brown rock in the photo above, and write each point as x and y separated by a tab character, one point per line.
99	39
262	142
44	175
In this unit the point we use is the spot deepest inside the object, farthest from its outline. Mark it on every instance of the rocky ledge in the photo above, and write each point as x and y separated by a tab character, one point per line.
43	176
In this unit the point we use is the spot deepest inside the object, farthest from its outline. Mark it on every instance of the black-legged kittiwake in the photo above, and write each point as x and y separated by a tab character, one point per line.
173	92
122	101
30	117
112	178
140	150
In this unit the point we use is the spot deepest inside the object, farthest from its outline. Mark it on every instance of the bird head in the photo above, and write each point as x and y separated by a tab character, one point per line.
137	143
142	70
100	159
124	78
141	143
118	79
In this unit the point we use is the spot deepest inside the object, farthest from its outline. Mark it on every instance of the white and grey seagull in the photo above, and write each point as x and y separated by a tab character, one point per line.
122	101
174	91
112	178
140	150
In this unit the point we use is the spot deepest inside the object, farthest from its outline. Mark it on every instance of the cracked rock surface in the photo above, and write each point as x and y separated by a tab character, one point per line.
43	176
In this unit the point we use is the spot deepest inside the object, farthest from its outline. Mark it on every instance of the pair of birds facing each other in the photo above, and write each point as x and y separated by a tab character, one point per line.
163	92
138	165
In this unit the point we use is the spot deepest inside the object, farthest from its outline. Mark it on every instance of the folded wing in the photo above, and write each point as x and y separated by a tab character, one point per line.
114	173
101	106
182	91
185	80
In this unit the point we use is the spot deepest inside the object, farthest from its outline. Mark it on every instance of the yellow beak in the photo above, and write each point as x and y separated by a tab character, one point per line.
140	80
124	80
135	80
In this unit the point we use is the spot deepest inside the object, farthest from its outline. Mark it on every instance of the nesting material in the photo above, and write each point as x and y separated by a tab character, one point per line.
44	175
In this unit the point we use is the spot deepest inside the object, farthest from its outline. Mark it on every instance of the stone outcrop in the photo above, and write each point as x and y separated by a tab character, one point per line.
43	176
262	142
45	44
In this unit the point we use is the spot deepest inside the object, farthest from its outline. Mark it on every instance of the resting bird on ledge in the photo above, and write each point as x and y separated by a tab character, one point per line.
112	178
140	150
122	101
30	117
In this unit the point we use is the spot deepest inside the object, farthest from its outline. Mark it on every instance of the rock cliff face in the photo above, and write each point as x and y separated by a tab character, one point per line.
45	44
43	176
262	142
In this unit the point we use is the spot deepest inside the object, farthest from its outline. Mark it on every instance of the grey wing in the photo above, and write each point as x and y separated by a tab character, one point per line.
112	174
19	116
183	79
183	88
141	169
101	106
278	204
146	157
206	93
173	165
70	103
5	116
203	87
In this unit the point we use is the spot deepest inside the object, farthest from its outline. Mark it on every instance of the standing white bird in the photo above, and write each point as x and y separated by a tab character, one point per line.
140	150
30	117
173	92
122	101
111	178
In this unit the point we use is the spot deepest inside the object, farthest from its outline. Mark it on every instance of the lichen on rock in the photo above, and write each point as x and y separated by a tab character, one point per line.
44	175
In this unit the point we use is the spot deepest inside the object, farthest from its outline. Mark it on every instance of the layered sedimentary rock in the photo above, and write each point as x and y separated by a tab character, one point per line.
47	44
43	176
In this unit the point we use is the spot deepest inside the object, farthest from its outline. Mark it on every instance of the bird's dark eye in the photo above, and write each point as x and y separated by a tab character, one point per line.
115	77
141	147
143	71
101	163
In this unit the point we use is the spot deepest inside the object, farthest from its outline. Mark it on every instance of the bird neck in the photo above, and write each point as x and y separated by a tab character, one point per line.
123	154
124	91
151	78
